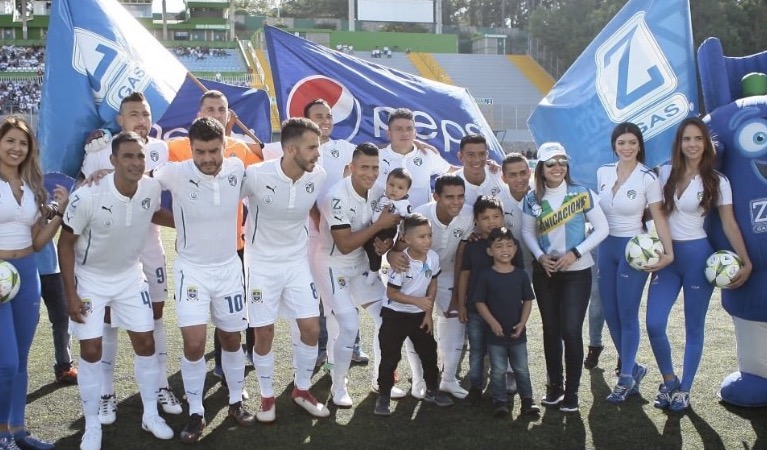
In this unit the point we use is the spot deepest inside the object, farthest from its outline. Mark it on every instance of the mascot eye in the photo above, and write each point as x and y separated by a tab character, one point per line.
752	138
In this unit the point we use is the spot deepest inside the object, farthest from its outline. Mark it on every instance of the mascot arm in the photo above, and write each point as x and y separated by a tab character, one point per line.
735	238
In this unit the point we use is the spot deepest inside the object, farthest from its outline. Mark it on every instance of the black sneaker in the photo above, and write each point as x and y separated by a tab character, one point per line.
554	395
382	406
592	359
474	398
569	403
530	408
193	429
437	397
501	409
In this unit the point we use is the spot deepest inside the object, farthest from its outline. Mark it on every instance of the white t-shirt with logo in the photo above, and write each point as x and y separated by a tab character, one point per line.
204	209
414	282
492	186
625	209
112	228
276	230
421	165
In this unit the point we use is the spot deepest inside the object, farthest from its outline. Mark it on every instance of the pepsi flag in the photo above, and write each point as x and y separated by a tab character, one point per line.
97	54
640	68
363	94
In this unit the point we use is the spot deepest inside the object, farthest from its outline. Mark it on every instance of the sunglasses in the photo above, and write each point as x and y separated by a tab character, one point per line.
562	162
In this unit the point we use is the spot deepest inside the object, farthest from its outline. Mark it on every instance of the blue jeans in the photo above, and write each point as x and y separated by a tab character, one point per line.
52	290
476	328
500	358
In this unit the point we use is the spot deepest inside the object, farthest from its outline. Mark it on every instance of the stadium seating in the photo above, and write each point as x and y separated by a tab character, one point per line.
203	59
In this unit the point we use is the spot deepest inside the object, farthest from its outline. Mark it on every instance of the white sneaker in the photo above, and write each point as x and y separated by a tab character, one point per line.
157	426
107	410
395	394
341	397
167	399
306	400
268	411
453	388
418	390
91	439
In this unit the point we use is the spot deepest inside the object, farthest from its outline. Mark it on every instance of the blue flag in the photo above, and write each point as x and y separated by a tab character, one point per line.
640	69
97	54
363	94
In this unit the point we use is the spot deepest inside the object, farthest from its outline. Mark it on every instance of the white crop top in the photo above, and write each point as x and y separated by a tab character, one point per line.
16	220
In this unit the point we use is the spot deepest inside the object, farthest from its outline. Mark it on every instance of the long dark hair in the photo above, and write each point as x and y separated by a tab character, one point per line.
708	175
30	170
629	128
540	181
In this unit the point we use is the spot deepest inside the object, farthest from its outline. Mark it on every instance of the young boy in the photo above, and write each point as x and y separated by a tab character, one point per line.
396	198
488	215
407	313
503	297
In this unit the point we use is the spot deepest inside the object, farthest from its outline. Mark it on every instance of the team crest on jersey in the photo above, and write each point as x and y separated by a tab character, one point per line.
154	155
495	191
194	195
341	282
108	222
256	296
334	153
191	293
310	187
458	232
146	203
700	195
268	199
232	180
426	270
418	161
632	194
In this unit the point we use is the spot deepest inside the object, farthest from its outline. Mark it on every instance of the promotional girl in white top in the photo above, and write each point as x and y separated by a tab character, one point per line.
691	190
626	189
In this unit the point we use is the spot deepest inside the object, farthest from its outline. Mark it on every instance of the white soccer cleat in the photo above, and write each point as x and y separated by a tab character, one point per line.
91	439
268	411
395	394
453	388
306	400
341	397
169	402
157	426
418	390
107	409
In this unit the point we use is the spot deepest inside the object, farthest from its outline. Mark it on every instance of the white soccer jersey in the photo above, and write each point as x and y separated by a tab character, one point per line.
625	209
344	207
401	207
415	281
493	186
421	165
111	226
204	209
271	151
278	210
686	221
156	154
445	238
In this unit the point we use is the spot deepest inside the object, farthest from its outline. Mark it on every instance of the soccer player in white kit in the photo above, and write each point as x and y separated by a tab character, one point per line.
208	272
280	195
106	226
346	225
135	115
479	178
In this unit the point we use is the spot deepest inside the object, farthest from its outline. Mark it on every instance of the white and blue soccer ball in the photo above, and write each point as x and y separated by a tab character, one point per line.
642	250
721	267
10	281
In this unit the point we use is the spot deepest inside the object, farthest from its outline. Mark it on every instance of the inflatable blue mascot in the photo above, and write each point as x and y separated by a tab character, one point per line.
735	96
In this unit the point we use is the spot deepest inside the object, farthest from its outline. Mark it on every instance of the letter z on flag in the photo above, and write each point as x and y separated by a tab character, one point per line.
640	68
363	94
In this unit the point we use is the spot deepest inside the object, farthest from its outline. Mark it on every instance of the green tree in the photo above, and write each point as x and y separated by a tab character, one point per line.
315	8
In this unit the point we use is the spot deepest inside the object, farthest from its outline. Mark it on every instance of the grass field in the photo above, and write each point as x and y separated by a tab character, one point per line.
54	412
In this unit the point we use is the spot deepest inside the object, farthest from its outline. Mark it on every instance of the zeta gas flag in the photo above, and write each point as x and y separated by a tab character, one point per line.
640	69
97	54
363	94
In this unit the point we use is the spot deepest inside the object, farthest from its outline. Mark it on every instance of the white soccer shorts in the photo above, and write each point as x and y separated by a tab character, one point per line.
281	291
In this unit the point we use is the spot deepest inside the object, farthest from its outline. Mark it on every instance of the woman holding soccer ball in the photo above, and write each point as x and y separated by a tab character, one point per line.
691	190
554	228
626	189
26	225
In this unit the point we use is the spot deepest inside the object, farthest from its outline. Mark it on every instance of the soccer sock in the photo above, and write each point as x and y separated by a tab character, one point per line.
331	323
416	370
108	357
343	344
306	355
374	311
264	365
233	364
161	350
147	369
89	382
451	336
295	338
193	374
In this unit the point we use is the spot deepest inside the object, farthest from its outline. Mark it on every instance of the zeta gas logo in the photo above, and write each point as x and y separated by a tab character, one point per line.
635	81
346	109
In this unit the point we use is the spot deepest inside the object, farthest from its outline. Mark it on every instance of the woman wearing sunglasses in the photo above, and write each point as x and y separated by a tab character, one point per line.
554	229
626	189
691	190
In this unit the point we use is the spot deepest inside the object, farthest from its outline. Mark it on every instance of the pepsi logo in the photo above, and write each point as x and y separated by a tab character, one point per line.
346	110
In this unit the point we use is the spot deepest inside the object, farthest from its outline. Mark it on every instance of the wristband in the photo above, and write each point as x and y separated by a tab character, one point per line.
576	253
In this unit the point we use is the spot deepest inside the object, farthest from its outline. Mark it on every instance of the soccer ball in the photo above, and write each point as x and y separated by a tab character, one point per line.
10	281
721	267
641	251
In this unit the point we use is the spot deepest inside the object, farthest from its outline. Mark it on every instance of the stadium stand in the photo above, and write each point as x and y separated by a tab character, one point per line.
205	59
15	58
398	60
20	96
